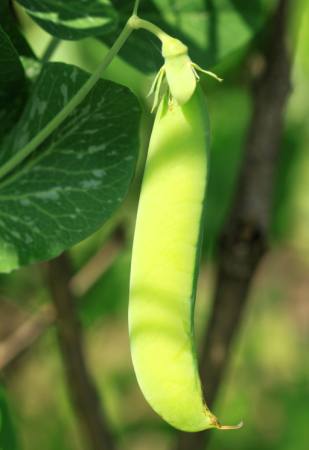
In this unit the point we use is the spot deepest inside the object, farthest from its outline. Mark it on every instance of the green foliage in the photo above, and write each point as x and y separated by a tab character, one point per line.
57	191
73	19
12	80
211	29
8	23
77	178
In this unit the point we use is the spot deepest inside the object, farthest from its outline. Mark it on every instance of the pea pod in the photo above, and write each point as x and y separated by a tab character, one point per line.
165	262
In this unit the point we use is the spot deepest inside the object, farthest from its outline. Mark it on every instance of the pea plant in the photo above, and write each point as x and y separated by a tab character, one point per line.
69	147
69	140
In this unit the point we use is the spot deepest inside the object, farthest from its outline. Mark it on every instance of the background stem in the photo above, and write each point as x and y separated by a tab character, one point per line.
28	332
244	238
85	398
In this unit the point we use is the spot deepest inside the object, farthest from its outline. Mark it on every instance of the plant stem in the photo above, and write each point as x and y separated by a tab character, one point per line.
136	6
138	24
50	49
69	107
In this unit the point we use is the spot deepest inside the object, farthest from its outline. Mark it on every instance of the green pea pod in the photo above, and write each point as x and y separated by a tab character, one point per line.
165	261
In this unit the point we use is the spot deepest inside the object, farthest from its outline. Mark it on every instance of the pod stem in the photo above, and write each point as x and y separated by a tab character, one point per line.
135	8
137	23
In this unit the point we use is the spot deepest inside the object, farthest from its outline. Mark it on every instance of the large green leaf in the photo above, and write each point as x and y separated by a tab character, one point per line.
9	21
12	84
77	178
212	29
11	69
74	19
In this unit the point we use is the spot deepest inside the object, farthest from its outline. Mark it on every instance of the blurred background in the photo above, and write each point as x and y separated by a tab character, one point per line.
267	382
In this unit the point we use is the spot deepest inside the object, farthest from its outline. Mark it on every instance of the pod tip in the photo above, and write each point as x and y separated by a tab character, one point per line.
230	427
216	424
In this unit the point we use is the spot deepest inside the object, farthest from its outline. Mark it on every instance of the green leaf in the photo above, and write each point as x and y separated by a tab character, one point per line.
8	439
212	29
9	21
12	84
74	182
11	69
74	19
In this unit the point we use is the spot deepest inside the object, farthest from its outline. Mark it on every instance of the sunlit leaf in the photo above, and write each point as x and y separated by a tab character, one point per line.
72	19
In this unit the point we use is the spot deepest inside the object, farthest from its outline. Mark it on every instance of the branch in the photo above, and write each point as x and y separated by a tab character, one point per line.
244	239
84	396
32	329
25	335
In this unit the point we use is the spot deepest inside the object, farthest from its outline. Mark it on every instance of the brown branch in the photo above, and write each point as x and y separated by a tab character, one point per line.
32	329
25	335
244	238
85	399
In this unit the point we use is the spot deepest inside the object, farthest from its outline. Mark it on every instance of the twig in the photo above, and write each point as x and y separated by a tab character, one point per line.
244	238
31	330
84	396
25	335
